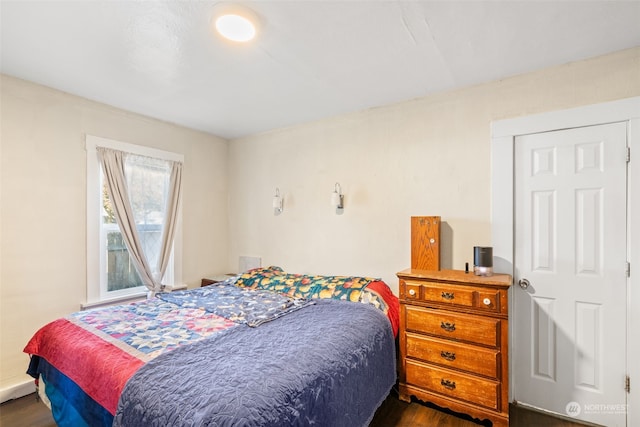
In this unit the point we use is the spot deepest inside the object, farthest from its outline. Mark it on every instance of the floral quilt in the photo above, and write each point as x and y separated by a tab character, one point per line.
366	290
127	336
241	305
148	328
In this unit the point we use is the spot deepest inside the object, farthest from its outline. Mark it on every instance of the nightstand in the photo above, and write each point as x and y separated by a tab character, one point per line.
215	279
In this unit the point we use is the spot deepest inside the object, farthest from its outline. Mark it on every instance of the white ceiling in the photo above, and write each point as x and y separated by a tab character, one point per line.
313	59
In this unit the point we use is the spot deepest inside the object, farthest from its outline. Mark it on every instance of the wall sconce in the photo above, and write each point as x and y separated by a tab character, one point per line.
337	198
277	202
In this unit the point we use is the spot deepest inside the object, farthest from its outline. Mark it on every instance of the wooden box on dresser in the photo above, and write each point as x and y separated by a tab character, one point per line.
454	341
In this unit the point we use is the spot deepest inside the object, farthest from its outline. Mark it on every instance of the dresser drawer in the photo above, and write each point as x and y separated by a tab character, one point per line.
473	359
461	386
452	295
457	326
448	294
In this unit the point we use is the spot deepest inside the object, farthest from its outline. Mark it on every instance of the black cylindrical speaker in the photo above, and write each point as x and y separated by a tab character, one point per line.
483	260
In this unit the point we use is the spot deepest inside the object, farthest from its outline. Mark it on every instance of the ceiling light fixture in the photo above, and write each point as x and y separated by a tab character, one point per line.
235	22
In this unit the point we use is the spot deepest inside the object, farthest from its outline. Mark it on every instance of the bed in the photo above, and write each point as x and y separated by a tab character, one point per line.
265	348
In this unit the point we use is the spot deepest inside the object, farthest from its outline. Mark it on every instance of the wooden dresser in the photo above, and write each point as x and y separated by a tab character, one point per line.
454	341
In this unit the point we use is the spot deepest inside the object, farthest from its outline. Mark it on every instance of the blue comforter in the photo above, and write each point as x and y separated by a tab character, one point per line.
328	364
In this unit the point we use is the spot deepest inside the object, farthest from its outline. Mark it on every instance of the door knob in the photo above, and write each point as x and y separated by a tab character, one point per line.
524	283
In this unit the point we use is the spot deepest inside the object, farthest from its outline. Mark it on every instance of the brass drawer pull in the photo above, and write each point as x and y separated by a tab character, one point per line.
448	355
451	385
448	295
449	327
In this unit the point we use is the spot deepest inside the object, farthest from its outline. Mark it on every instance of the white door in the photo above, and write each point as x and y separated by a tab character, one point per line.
571	248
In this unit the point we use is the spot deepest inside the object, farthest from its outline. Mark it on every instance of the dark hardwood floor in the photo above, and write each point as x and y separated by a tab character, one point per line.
29	412
25	412
396	413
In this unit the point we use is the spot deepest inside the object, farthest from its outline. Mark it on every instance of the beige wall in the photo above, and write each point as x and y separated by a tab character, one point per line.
429	156
43	205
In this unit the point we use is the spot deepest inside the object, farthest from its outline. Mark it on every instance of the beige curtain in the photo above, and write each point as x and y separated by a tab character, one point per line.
113	162
171	217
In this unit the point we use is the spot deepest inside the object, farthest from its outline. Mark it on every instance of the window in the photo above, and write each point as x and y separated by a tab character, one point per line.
111	274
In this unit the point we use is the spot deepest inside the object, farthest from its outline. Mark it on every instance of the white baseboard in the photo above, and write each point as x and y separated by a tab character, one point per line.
17	390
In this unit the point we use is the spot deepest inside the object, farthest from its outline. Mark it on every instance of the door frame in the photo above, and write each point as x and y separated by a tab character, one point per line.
503	134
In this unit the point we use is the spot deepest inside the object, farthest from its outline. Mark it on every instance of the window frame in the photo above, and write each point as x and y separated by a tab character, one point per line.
96	263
